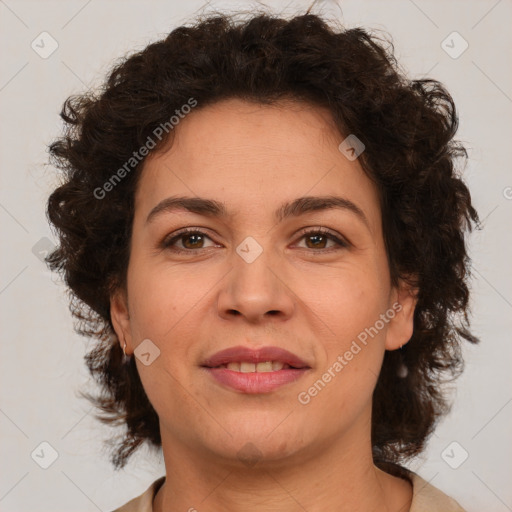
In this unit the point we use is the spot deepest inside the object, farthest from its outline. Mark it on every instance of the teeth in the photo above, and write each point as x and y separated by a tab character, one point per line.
245	367
264	367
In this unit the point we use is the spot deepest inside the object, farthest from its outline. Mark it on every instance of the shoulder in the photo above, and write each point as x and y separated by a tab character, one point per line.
144	502
427	498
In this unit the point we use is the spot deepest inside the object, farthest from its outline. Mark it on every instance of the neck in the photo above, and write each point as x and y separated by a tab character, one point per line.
339	475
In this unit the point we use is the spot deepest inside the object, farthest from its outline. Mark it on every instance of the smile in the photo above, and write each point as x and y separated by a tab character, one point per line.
263	367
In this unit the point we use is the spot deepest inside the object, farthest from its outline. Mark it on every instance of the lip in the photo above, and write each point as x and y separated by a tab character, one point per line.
240	353
255	382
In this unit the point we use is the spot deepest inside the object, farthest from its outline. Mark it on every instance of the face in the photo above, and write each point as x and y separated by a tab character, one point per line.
312	281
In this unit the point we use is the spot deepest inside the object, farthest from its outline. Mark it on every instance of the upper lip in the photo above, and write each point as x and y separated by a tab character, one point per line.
245	354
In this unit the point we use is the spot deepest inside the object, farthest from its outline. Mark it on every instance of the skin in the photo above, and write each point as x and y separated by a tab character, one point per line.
308	298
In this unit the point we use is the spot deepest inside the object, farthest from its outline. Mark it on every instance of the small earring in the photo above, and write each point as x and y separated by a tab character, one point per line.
124	349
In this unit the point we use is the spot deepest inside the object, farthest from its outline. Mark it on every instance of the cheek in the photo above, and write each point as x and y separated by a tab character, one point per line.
162	298
351	306
167	309
162	309
347	301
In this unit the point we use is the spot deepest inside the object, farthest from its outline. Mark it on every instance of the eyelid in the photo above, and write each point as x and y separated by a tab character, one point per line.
176	235
341	241
333	235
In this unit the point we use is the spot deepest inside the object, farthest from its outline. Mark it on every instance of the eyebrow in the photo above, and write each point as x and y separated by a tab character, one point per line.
216	209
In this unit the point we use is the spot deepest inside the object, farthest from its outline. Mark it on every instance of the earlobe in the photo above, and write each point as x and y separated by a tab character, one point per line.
401	326
120	317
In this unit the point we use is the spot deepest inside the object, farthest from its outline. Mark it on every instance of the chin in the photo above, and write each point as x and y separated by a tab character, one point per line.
265	438
257	452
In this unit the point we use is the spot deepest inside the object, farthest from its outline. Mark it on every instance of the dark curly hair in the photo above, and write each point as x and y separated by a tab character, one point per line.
407	127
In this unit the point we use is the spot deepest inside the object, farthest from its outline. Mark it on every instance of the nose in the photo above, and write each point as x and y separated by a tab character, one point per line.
257	291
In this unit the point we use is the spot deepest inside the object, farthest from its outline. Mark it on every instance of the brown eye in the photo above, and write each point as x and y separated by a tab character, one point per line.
318	238
318	241
191	239
194	239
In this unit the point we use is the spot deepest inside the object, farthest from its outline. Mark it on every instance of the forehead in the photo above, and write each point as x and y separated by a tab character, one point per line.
254	157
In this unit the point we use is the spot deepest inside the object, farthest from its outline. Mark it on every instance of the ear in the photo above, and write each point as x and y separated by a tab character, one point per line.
400	328
120	317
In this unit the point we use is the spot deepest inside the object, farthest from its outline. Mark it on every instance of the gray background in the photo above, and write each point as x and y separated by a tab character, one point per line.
42	358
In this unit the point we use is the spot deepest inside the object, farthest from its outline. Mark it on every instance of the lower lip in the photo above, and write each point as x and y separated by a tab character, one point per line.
255	382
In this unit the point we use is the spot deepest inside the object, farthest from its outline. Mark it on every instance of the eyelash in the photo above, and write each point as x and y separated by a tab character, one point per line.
168	242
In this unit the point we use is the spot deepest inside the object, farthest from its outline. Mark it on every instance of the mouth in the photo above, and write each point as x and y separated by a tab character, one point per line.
255	371
264	359
263	367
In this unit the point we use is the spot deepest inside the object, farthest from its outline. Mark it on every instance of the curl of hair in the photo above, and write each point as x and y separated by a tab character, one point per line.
407	127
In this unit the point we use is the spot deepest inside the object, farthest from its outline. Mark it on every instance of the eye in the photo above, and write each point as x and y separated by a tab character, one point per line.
192	239
320	236
192	235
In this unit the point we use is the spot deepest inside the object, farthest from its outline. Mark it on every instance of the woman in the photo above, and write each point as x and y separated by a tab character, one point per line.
264	228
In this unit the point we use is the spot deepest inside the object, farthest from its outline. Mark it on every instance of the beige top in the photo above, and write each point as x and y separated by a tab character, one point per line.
425	498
